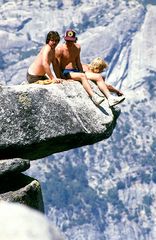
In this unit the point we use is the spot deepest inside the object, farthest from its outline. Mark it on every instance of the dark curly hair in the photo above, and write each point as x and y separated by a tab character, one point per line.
52	35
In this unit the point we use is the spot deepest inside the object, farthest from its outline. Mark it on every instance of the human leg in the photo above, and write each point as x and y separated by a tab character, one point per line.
96	77
78	76
112	100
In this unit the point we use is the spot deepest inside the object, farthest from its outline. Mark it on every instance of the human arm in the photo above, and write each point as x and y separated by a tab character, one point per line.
46	62
78	61
57	63
56	67
113	89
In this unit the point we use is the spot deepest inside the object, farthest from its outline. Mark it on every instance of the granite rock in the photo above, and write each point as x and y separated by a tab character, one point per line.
17	165
39	120
22	189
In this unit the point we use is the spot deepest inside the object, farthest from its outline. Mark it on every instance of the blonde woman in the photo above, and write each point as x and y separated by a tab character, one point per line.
97	66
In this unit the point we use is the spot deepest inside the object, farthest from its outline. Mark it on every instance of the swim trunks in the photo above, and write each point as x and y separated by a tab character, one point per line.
66	72
34	78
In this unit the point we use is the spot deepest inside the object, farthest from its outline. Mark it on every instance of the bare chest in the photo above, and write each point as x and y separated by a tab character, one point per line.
69	54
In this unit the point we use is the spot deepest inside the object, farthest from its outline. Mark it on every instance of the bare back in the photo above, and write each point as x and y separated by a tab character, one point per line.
69	56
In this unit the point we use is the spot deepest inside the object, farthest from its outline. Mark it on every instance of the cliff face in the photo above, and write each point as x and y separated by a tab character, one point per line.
17	187
38	120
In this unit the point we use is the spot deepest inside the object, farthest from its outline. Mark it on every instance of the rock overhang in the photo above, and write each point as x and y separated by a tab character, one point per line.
39	120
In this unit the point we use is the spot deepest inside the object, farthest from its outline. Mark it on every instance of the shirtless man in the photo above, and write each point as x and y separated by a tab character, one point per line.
39	70
68	56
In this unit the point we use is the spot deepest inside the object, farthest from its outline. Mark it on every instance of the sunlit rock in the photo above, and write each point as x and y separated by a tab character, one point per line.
10	166
37	121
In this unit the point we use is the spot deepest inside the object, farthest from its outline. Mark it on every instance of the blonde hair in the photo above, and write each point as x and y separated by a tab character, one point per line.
98	63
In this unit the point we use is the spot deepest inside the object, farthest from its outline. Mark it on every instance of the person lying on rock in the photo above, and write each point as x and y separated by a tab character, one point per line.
68	55
39	71
98	65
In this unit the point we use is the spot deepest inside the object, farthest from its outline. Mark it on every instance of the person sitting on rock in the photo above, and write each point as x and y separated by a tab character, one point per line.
39	71
98	65
68	55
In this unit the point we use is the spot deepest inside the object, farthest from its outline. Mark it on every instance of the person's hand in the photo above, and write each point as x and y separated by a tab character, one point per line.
119	93
58	80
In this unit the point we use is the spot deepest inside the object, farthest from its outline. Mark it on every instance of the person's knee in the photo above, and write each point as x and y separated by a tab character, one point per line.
83	77
99	78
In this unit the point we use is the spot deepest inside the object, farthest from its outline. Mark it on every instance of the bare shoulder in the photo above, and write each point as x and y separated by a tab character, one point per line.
77	45
86	68
61	46
59	49
46	49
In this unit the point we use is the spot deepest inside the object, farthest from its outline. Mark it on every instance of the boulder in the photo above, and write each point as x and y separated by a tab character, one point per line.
10	166
22	189
39	120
